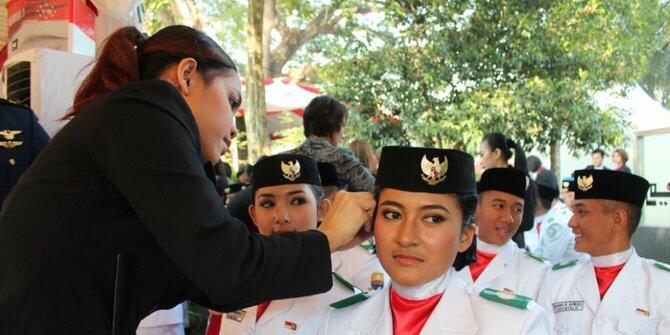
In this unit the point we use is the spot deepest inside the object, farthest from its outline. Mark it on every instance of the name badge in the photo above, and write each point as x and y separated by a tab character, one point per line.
568	306
236	315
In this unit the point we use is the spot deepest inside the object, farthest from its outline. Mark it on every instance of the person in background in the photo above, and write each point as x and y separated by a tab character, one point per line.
21	139
535	167
424	218
363	151
495	150
612	290
568	191
500	264
597	158
620	158
323	124
288	197
244	174
551	238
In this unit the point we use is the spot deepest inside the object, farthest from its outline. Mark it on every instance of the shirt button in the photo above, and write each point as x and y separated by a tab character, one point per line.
599	322
12	161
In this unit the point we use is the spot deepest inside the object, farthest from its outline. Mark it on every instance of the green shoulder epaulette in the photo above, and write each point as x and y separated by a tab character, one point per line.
368	246
662	266
354	299
535	256
565	264
346	283
506	298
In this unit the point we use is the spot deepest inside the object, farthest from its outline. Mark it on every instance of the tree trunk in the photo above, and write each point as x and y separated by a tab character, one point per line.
555	157
258	142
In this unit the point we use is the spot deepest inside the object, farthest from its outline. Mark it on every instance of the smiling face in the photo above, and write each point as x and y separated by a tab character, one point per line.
592	226
284	208
498	216
418	234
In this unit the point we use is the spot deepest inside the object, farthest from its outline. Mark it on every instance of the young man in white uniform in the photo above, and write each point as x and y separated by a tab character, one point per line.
423	220
614	291
500	264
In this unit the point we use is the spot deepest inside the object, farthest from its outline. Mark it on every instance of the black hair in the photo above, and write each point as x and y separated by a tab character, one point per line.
534	163
499	141
599	151
324	116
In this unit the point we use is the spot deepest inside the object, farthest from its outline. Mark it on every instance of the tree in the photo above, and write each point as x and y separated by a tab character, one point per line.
448	72
254	116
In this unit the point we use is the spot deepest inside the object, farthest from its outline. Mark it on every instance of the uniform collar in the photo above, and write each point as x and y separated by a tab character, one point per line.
423	291
488	247
374	315
612	259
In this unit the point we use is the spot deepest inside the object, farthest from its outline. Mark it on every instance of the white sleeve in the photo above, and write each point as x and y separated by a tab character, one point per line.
664	317
554	242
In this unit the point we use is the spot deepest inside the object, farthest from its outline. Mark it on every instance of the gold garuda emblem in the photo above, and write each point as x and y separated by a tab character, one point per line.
585	183
10	144
434	172
291	170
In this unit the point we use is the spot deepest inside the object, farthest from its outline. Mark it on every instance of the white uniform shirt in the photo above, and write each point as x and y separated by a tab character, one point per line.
637	302
358	265
460	311
512	269
165	322
306	314
556	241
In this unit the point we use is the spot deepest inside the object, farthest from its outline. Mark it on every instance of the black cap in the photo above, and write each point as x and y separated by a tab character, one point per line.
328	175
508	180
611	185
284	169
426	170
547	187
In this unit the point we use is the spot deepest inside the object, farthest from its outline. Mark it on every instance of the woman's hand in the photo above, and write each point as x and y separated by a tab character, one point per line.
349	220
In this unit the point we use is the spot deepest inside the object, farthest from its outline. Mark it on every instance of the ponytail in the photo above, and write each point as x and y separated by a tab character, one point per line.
520	161
129	56
115	66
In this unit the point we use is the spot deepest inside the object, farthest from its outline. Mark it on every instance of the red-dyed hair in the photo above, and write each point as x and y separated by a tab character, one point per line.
128	56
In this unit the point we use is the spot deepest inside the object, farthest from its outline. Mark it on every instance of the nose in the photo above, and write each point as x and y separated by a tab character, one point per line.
281	215
233	129
406	235
508	216
572	223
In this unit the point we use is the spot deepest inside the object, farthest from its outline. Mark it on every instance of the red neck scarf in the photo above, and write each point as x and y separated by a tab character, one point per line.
214	324
483	260
409	316
605	276
260	309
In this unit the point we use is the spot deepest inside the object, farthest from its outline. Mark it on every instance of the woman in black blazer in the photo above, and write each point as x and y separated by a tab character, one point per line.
117	216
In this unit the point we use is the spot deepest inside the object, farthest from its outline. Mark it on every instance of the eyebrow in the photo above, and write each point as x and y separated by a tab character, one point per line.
270	195
426	207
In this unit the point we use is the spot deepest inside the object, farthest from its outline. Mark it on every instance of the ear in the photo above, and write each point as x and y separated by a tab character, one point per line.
496	153
186	70
322	209
619	220
252	214
467	236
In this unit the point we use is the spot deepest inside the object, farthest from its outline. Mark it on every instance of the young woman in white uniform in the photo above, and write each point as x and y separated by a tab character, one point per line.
288	197
423	219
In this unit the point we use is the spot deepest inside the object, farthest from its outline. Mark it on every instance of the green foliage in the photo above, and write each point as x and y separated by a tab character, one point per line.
452	71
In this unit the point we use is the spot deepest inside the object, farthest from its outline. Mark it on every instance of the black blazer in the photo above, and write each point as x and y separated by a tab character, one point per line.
124	179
